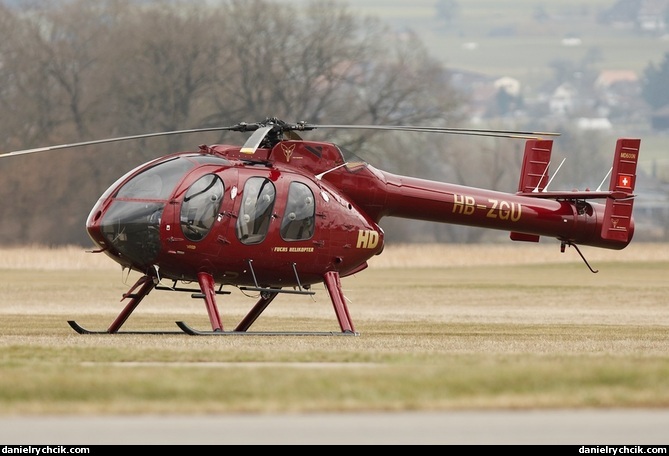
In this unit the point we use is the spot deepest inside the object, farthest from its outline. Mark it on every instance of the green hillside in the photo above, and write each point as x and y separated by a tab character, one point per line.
505	38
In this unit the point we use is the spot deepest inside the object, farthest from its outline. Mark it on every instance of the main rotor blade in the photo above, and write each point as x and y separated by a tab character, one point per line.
274	124
458	131
252	144
238	127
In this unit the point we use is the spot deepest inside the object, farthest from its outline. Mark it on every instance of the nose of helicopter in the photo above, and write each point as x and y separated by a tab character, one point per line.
128	231
125	222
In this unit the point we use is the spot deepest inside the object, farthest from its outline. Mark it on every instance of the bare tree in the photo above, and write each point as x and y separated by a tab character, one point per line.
73	35
29	98
80	70
324	64
160	67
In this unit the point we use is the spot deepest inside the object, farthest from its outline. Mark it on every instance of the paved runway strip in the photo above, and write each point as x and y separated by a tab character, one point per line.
553	427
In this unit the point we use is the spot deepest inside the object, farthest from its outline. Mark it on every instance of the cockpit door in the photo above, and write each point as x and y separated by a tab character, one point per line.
202	208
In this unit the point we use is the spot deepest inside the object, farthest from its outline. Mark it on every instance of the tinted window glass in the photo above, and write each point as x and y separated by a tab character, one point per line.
201	206
255	211
298	220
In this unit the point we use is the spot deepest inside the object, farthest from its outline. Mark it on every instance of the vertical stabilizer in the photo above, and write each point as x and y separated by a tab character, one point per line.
618	223
534	172
534	175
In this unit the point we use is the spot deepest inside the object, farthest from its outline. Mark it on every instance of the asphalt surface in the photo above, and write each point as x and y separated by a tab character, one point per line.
553	427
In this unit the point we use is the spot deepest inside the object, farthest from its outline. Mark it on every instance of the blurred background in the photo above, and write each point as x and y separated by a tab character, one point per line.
80	70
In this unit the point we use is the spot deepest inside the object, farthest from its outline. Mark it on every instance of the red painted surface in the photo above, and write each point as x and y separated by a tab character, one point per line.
188	220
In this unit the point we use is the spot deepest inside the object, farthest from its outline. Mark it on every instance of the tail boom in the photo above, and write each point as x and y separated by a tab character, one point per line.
595	218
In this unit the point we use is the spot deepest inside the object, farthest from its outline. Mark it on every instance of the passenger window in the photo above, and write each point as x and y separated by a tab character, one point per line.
201	206
298	219
255	212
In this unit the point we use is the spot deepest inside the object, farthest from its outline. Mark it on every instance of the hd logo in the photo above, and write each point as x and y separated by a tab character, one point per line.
367	239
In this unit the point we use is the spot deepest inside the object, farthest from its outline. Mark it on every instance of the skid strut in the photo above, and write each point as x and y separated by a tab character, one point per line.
145	284
208	293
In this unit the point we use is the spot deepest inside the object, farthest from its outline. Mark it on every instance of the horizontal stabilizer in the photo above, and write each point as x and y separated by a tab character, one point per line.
524	237
576	195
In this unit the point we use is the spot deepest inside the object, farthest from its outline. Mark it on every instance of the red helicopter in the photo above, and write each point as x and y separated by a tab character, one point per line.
279	214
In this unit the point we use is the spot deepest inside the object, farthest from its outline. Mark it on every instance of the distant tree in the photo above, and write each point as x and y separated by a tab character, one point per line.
540	13
654	83
27	116
447	11
334	65
621	11
505	102
74	70
162	70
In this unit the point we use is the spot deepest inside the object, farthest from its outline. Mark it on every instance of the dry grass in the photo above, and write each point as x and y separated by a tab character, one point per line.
441	327
511	253
394	256
43	258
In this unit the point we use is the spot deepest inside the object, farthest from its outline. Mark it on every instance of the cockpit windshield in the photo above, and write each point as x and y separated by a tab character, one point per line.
131	224
156	182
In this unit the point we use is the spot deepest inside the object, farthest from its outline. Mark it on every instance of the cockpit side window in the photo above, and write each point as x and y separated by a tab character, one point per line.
298	219
201	206
255	212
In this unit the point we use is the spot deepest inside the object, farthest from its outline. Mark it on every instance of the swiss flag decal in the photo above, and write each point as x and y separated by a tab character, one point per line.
625	181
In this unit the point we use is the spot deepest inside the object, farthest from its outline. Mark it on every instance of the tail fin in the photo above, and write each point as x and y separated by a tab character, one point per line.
534	172
534	175
618	224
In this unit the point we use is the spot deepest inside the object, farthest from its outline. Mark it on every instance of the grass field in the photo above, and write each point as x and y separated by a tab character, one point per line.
444	327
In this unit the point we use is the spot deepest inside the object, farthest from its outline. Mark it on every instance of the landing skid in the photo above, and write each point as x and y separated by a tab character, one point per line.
208	293
185	329
195	332
81	330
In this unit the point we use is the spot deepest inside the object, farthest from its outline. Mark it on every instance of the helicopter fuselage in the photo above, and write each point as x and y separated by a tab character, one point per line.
243	219
285	215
